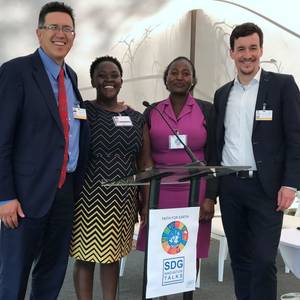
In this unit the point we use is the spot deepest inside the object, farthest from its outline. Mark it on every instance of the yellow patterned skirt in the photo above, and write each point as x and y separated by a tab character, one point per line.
103	223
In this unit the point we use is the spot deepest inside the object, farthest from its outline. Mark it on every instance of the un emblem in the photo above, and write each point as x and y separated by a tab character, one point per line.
174	237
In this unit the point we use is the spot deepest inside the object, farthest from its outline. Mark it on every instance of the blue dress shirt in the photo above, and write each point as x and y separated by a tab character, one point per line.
52	69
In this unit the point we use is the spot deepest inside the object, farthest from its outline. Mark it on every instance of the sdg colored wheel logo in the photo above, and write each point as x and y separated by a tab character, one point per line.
174	237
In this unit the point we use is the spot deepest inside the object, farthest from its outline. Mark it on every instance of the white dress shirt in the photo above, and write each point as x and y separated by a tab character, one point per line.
239	118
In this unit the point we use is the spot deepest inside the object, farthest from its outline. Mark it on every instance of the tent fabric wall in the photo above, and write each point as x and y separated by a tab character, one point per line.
144	58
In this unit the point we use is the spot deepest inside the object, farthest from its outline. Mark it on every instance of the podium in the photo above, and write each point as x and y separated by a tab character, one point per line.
183	174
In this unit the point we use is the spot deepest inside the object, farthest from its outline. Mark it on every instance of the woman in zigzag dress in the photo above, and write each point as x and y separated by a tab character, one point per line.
105	216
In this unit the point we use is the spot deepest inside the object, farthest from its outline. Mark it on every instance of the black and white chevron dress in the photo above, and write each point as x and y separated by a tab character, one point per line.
105	216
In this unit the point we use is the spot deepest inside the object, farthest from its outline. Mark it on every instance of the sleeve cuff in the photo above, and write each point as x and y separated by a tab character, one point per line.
290	188
4	202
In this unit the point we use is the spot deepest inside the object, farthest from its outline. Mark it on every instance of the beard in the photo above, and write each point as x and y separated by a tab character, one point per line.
249	69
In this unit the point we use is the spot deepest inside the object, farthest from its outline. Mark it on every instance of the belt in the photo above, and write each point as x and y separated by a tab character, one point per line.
245	174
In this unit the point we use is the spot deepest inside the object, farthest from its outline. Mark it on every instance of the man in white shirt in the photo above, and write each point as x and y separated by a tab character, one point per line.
258	125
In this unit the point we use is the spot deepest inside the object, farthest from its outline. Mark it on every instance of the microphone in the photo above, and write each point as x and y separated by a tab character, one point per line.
186	147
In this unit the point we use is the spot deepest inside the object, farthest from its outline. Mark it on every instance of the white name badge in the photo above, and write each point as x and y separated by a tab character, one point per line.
121	121
264	115
79	113
174	143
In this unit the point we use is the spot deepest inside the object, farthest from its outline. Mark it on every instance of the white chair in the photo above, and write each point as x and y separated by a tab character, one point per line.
297	204
289	247
123	259
217	232
122	266
198	276
291	222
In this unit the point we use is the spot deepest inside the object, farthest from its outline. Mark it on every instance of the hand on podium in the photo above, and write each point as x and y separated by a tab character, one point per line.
207	209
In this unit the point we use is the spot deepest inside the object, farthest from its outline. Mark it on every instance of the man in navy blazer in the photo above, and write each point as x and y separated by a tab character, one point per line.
258	125
36	211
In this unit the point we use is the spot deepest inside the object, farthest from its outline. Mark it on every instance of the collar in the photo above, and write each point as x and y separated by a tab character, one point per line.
254	80
187	108
51	66
190	101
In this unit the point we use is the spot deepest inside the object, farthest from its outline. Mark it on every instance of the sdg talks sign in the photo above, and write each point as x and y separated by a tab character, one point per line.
172	251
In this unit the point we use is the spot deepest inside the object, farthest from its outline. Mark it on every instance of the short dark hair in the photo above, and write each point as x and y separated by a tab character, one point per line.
243	30
179	58
54	7
101	59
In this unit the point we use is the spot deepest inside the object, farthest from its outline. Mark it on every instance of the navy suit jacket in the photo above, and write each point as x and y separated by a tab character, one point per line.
276	143
31	136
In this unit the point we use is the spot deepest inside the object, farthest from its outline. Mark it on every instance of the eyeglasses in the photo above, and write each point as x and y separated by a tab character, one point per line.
57	28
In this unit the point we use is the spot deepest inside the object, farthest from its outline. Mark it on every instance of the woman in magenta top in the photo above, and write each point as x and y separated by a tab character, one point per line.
193	120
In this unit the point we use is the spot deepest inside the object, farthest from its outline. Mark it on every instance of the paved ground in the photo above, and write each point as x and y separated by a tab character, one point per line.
211	289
